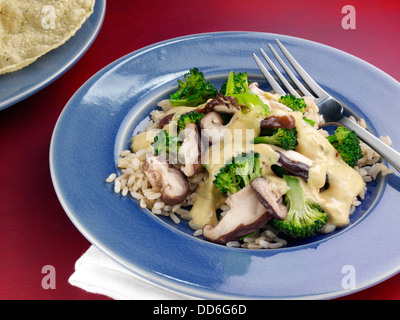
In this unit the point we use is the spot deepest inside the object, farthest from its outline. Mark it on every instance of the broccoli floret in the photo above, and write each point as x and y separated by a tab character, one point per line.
190	117
347	145
247	167
284	138
237	83
164	142
223	88
237	173
226	179
296	104
193	91
304	219
237	86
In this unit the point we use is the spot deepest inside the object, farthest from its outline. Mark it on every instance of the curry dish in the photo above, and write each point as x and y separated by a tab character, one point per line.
221	163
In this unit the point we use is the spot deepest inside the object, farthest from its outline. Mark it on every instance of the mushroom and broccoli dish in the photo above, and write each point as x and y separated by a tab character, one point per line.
248	168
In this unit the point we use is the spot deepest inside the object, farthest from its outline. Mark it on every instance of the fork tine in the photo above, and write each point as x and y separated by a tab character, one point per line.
289	72
303	74
280	75
275	86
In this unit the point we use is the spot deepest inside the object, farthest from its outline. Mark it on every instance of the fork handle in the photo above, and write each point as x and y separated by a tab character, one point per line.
386	152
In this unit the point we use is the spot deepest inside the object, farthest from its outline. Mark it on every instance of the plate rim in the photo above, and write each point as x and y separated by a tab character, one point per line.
100	5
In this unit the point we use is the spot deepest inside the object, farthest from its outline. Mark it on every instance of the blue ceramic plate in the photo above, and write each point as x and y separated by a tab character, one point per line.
100	118
21	84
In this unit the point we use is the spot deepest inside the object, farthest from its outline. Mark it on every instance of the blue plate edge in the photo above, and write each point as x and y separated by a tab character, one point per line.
39	86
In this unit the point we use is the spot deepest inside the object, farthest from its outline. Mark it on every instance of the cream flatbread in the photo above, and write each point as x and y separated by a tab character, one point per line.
31	28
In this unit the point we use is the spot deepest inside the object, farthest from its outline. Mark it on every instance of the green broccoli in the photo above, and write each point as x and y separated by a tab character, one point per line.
284	138
226	179
237	86
223	88
347	145
193	91
237	173
309	121
296	104
190	117
164	143
304	219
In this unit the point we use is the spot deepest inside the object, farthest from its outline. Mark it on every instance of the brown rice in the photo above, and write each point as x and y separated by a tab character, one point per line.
133	181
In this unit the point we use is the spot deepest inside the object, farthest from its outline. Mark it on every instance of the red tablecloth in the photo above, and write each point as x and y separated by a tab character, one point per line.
35	231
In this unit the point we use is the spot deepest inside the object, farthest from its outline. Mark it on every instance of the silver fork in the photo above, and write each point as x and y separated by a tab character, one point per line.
330	108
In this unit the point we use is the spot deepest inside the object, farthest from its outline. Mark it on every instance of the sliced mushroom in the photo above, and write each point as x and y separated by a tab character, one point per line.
212	128
210	121
173	183
221	104
253	87
246	215
293	162
326	184
165	120
270	200
190	150
285	121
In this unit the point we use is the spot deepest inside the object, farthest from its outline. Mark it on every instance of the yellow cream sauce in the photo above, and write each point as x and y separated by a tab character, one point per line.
344	182
144	139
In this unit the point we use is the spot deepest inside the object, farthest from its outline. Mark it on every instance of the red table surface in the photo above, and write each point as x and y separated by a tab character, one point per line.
35	231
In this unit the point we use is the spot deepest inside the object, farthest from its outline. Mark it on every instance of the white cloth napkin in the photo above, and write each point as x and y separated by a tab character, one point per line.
97	273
